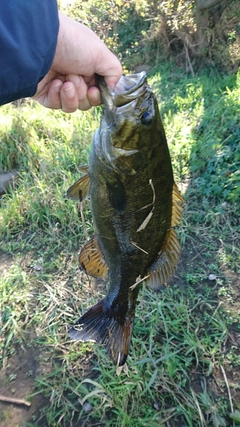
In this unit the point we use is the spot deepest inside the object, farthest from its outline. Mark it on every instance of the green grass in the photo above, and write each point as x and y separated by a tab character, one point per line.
184	363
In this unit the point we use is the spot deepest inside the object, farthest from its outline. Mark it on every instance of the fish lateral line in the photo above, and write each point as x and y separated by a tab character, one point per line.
114	158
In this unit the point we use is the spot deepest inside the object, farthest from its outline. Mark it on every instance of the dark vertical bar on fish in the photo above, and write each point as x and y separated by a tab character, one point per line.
135	204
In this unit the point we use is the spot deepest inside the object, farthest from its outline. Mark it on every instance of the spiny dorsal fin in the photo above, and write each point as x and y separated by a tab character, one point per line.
166	263
177	202
81	188
91	259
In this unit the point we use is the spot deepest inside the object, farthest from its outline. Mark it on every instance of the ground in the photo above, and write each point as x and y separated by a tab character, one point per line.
184	360
17	377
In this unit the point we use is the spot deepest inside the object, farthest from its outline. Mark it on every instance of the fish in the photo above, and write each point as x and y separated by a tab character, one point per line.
135	205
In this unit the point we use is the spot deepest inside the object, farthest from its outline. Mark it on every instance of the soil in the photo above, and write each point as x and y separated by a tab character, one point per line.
17	381
6	261
221	381
17	377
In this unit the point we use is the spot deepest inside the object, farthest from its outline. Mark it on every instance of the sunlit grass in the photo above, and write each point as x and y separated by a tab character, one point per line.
177	341
184	338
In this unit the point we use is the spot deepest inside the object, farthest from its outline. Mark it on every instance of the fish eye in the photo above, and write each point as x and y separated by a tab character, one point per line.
146	118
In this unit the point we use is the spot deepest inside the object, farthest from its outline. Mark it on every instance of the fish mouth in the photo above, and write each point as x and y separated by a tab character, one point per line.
127	90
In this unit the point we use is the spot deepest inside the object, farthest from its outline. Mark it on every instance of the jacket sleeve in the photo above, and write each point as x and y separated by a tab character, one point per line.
28	39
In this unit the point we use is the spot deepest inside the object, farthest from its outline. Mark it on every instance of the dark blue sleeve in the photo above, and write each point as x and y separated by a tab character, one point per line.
28	38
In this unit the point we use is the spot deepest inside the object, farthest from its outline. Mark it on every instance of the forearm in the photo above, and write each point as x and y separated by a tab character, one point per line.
28	38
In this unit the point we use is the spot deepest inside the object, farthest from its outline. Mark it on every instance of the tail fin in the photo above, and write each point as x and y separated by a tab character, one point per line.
98	324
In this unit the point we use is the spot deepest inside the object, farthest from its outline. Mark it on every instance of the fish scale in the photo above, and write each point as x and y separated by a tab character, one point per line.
135	204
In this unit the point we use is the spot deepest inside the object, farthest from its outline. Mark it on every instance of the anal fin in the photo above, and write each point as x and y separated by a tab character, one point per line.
91	259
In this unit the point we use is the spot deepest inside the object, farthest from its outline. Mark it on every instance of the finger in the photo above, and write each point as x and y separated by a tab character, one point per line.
81	86
86	89
69	97
49	97
52	97
94	96
112	81
109	67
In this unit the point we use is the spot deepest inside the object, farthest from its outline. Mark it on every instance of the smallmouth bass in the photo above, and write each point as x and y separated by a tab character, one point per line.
135	204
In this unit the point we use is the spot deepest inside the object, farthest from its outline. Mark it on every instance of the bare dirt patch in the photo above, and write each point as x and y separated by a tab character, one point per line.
225	376
19	373
17	381
6	261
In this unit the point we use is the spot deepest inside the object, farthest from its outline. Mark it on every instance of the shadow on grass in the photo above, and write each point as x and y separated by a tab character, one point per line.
177	348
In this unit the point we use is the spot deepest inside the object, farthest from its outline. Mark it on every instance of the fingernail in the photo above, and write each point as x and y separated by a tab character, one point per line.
69	91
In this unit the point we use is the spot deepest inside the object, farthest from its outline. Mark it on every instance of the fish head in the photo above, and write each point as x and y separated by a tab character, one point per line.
130	123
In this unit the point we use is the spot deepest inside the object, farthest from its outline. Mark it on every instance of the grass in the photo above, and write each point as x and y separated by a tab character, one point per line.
184	363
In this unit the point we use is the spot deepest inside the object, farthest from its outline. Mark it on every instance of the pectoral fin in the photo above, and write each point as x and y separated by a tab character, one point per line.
81	188
168	258
91	259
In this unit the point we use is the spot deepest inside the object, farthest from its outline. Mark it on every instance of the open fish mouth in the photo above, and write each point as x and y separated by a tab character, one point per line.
135	206
129	112
127	90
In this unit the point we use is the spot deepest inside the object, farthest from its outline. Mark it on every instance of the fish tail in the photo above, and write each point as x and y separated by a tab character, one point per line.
99	324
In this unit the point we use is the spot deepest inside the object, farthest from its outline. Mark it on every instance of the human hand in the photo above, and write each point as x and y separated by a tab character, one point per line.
70	82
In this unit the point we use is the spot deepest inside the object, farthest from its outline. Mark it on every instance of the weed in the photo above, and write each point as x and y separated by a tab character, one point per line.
183	337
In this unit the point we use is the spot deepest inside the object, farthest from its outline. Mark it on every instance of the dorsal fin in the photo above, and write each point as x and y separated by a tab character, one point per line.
168	257
166	263
81	188
91	259
177	202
